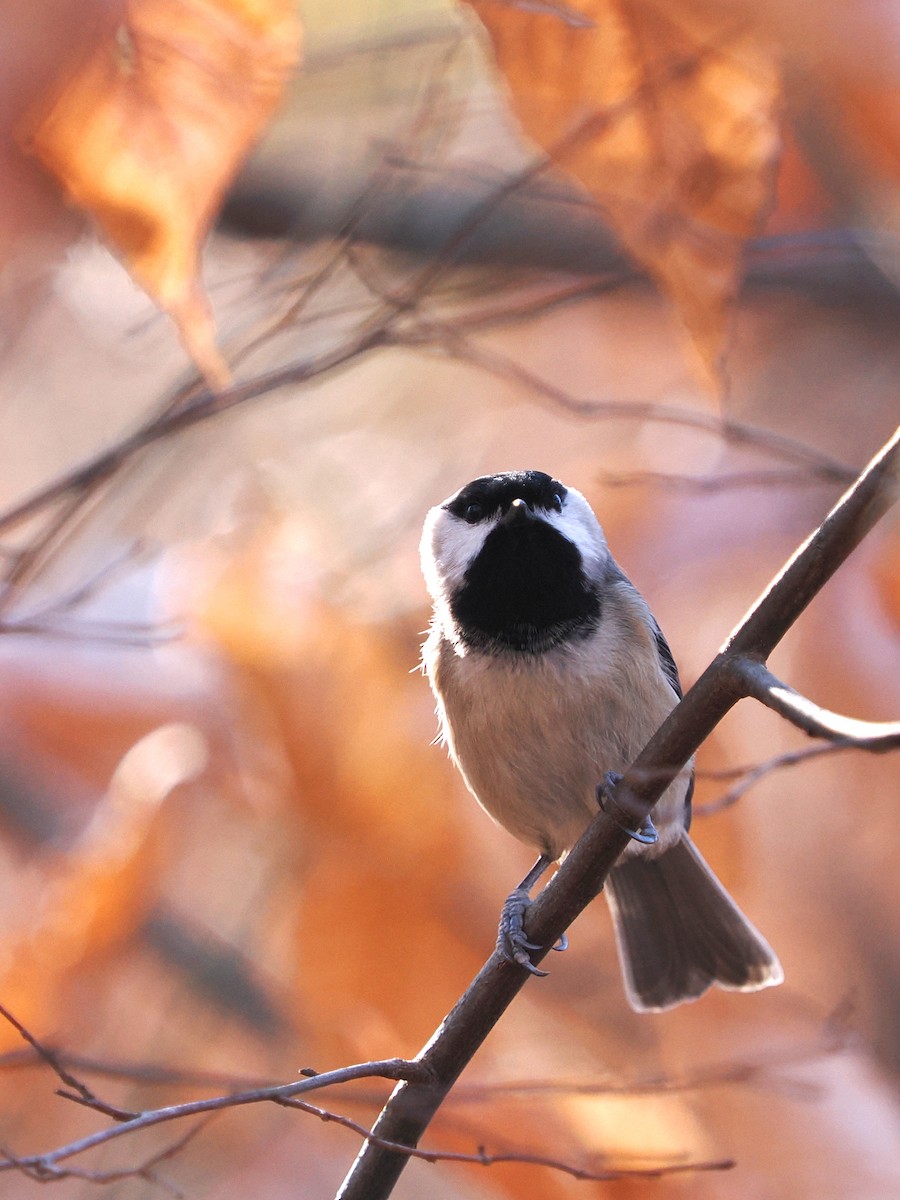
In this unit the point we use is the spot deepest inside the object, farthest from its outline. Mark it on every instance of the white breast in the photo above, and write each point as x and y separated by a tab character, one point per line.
533	735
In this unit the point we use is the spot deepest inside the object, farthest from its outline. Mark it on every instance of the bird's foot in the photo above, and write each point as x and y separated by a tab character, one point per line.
606	799
512	943
511	940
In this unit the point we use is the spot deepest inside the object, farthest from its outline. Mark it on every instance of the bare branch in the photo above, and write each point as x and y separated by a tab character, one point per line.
708	484
483	1159
566	14
762	685
48	1167
144	1073
77	1090
738	433
582	874
24	561
339	247
834	1036
391	1068
50	1173
202	405
748	776
102	633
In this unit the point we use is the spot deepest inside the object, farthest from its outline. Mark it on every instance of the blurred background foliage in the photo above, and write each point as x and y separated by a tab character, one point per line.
230	849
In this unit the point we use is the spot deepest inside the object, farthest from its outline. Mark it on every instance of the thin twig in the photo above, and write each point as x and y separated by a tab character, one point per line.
748	776
203	406
553	8
709	484
77	1090
47	1167
738	433
44	1172
835	1036
130	635
483	1159
392	1068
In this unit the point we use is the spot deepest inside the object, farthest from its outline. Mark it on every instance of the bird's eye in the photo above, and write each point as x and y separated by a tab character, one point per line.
473	513
556	502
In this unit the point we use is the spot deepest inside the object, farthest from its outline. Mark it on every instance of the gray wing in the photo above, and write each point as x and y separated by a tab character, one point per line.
669	669
615	574
666	661
671	672
667	664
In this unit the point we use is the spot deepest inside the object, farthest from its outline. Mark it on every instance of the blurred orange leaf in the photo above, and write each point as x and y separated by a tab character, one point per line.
665	111
95	894
151	129
887	575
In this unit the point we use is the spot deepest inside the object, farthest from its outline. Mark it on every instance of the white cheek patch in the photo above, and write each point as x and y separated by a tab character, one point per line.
448	549
578	523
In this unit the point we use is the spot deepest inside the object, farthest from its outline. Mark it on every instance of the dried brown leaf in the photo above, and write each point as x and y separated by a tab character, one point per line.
666	112
151	129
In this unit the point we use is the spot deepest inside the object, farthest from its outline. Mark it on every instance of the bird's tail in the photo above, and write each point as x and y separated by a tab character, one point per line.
678	931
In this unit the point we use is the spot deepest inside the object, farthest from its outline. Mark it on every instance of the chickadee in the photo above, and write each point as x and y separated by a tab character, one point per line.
550	673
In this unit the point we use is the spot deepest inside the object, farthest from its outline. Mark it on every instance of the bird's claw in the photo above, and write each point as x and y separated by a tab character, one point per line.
511	940
524	961
646	834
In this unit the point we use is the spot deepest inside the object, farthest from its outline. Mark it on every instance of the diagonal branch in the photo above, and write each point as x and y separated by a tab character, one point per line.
581	876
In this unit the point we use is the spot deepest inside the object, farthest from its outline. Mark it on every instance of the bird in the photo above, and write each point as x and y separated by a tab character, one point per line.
550	674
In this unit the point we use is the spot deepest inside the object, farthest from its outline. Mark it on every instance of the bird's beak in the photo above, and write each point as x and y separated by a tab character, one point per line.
518	513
